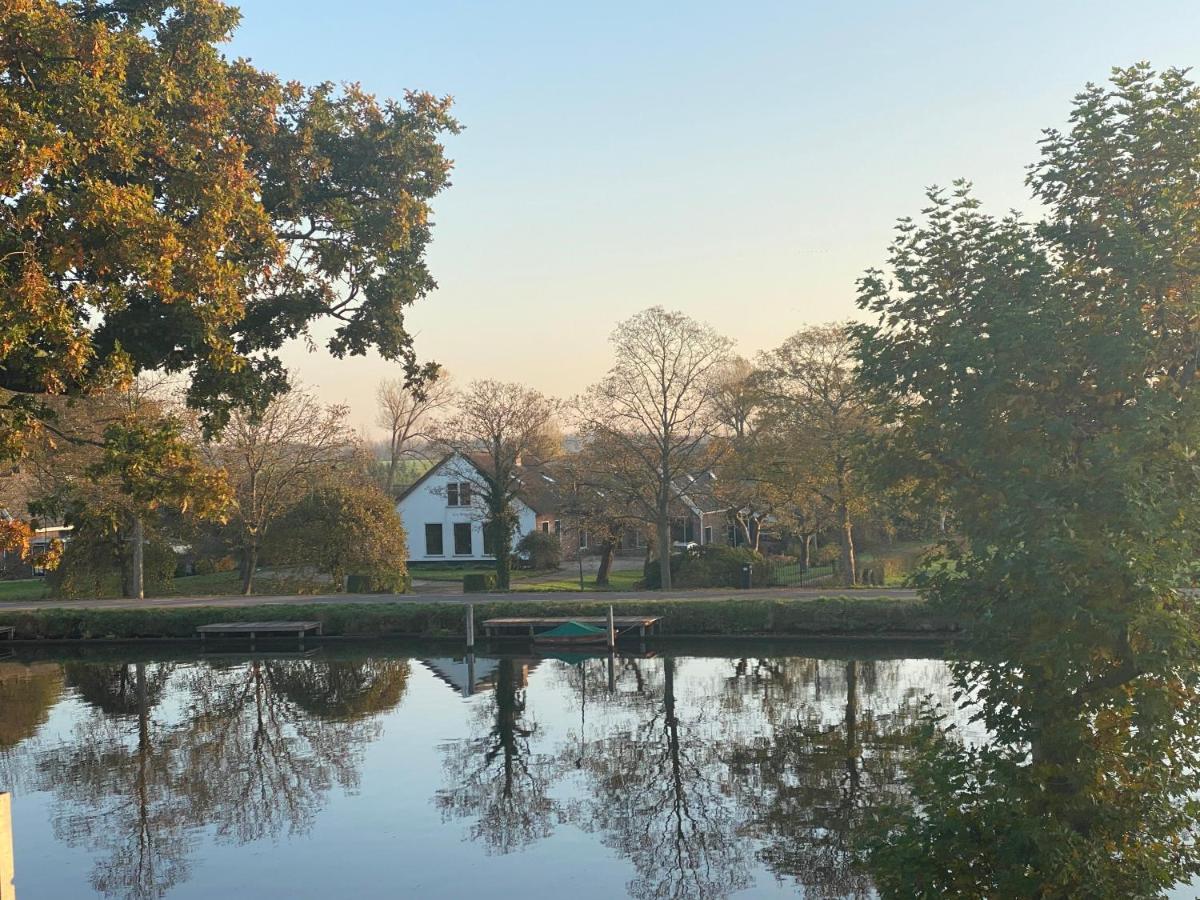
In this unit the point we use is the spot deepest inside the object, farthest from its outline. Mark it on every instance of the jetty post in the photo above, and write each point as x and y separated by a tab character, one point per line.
470	626
8	890
612	631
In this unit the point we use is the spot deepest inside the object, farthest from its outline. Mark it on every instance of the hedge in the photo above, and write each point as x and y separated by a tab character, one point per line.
816	616
478	582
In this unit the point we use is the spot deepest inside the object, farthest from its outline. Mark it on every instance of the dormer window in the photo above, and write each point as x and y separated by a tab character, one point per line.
458	493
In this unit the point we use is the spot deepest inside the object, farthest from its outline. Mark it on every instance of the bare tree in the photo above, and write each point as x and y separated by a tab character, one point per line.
737	396
658	406
273	460
811	388
405	415
498	426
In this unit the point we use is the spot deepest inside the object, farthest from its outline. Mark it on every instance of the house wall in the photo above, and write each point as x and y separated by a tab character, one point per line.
426	504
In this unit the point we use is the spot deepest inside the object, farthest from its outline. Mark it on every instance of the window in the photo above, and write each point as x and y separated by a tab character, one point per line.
462	538
582	540
708	534
558	527
433	540
458	493
489	540
546	527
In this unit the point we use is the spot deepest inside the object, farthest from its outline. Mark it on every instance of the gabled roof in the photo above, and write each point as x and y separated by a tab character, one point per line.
533	486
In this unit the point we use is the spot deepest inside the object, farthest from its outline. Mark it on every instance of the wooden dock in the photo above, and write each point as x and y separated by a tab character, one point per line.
8	632
529	626
255	630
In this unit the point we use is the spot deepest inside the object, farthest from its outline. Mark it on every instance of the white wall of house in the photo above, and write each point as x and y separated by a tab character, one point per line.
429	503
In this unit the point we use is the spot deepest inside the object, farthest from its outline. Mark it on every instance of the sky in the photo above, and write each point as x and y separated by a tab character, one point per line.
742	162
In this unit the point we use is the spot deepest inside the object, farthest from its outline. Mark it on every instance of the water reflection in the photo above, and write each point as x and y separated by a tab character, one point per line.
1087	782
705	777
248	751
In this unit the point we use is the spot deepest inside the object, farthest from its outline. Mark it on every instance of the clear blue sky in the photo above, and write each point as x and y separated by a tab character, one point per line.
742	162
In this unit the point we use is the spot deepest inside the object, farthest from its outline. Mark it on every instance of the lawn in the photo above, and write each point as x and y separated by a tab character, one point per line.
620	580
447	573
23	589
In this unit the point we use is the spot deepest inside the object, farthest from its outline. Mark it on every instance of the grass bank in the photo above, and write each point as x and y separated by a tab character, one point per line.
815	616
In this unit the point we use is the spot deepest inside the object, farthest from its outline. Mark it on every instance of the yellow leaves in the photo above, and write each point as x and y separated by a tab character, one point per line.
15	536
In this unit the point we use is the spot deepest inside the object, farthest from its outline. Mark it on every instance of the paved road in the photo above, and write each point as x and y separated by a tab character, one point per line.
542	596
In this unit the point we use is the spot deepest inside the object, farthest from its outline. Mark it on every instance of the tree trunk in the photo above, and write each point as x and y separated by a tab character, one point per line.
849	571
608	550
249	564
391	475
807	551
502	536
664	549
137	588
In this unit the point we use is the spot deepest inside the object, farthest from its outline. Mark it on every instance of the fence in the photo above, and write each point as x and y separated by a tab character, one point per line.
795	575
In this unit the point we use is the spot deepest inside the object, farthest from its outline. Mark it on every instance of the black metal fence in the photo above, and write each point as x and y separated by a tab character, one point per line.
795	575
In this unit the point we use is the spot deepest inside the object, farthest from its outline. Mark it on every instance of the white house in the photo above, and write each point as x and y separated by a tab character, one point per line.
444	517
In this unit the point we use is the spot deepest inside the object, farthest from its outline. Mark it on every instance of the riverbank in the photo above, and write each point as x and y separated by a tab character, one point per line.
810	616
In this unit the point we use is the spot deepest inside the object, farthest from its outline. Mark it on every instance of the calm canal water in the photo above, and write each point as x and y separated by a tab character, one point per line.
402	771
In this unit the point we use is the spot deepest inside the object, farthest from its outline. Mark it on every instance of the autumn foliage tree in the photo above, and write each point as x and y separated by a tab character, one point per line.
165	208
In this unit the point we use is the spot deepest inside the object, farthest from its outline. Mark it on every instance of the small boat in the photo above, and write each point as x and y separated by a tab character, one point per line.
573	633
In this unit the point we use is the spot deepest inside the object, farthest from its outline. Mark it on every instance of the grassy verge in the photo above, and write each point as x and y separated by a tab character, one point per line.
808	616
622	580
23	589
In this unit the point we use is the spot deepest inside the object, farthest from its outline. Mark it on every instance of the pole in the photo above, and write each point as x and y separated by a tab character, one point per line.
612	631
612	671
7	889
470	626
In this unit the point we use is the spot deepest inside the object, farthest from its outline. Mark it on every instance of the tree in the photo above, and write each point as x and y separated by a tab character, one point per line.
273	461
1042	376
165	208
658	406
499	426
126	464
345	526
811	387
404	413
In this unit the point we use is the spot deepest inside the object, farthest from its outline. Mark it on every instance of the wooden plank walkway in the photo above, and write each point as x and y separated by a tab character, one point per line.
258	629
529	626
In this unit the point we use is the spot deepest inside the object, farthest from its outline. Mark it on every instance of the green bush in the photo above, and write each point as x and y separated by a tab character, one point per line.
713	565
478	582
91	568
378	583
545	550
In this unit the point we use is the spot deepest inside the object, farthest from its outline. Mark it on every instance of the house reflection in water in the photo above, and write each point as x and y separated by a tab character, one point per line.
8	890
469	675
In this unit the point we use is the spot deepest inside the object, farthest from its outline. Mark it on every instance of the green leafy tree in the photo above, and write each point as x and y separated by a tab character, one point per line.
165	208
1042	377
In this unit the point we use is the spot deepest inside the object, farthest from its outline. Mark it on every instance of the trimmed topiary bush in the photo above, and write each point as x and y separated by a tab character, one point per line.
479	582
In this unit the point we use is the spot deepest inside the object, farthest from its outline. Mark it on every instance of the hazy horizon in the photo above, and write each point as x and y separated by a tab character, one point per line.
743	165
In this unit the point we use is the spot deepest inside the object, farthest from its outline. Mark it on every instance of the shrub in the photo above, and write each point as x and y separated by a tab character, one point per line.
545	550
478	582
713	565
91	566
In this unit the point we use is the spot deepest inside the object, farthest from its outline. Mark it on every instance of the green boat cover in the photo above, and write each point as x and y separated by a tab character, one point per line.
572	629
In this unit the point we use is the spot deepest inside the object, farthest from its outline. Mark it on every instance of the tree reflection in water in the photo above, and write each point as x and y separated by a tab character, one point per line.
239	754
809	782
494	778
1088	783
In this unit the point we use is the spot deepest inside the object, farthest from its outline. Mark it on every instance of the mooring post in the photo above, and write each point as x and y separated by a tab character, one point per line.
612	631
470	626
612	671
469	690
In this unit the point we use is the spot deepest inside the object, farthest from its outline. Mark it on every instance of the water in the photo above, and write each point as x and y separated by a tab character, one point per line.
742	770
